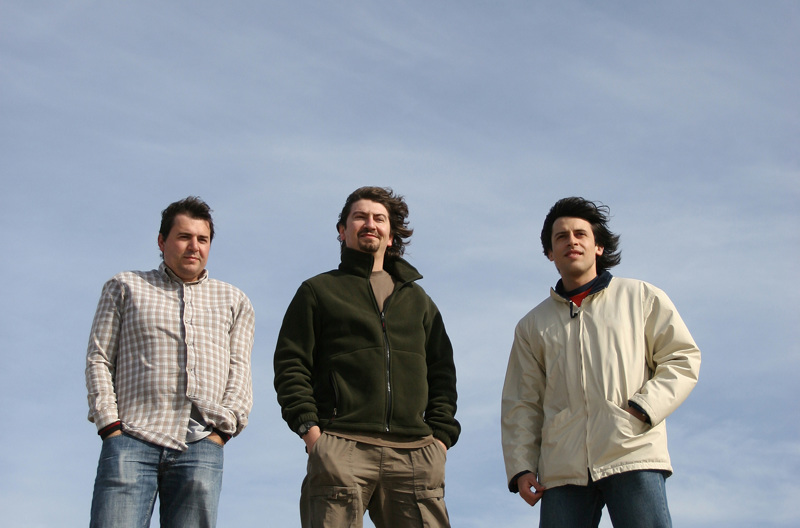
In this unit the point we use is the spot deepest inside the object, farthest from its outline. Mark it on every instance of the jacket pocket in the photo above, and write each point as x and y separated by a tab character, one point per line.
617	435
555	428
335	387
627	424
354	388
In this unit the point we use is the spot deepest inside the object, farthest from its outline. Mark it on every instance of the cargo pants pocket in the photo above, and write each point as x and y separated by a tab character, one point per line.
429	486
329	497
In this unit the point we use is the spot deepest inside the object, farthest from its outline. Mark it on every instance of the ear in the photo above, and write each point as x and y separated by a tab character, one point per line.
160	242
598	250
391	240
341	229
550	255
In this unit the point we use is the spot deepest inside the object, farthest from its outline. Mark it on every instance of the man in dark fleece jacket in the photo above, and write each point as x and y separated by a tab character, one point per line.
365	376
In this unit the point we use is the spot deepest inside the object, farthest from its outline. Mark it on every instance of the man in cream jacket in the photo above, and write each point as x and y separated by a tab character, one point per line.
594	371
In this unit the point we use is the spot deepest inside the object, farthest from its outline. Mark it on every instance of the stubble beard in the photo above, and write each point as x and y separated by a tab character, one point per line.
368	245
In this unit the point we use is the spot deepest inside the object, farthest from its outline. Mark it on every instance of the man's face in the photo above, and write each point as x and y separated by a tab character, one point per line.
367	228
574	251
186	247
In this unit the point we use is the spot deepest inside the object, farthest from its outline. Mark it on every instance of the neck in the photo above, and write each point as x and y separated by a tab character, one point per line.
377	264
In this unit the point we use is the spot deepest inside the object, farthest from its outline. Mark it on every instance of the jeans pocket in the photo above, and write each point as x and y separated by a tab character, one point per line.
210	441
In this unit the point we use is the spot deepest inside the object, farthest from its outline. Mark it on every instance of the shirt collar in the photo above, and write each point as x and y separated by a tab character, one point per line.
164	269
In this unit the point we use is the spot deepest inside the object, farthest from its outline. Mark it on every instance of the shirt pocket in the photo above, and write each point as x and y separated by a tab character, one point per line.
216	323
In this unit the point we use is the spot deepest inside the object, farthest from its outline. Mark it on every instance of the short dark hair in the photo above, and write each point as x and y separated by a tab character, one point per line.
597	215
398	214
192	207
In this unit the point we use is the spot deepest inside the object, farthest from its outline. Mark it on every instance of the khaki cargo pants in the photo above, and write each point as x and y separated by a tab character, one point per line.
400	487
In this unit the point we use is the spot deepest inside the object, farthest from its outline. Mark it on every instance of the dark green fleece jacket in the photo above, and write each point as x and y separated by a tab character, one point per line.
342	363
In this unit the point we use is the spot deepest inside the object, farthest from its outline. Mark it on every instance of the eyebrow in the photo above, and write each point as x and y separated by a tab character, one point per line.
565	231
380	215
186	233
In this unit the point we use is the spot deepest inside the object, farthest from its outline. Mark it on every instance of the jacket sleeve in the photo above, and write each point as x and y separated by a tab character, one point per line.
522	412
238	396
673	358
101	355
442	394
294	360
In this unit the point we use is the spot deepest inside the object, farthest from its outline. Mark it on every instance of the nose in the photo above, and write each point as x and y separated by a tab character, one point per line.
369	222
573	240
194	245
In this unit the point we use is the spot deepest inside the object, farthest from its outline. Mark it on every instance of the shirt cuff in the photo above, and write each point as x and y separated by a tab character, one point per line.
110	428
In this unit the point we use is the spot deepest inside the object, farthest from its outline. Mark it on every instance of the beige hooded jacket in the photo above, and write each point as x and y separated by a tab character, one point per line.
570	376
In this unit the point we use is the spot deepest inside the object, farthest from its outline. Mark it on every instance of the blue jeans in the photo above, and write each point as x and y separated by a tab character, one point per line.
132	472
636	499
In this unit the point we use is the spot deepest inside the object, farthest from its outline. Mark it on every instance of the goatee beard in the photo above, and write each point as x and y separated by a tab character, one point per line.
368	246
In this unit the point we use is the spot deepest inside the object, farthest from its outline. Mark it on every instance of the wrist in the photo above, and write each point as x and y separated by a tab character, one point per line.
637	411
223	436
113	427
305	427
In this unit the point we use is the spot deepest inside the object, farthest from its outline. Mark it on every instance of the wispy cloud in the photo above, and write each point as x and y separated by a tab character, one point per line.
683	119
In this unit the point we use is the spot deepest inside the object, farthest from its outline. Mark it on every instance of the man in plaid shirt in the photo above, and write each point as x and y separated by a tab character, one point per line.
168	379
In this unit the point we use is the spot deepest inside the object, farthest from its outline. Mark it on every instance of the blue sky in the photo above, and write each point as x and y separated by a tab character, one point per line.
683	117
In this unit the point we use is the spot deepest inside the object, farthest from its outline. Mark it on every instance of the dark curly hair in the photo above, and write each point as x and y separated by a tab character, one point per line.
192	207
398	215
595	214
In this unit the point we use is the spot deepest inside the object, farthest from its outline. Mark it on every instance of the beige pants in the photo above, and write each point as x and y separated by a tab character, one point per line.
400	487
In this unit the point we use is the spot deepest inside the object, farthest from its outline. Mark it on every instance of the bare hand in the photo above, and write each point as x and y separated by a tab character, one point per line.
441	444
214	437
311	437
530	489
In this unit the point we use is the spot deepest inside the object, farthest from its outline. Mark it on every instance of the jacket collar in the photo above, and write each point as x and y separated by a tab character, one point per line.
359	263
600	282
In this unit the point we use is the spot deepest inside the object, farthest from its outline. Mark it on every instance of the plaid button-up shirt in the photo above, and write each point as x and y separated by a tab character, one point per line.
159	345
